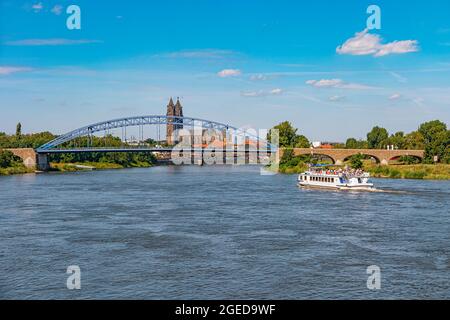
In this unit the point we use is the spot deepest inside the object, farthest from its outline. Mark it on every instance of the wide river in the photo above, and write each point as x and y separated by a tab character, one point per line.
219	233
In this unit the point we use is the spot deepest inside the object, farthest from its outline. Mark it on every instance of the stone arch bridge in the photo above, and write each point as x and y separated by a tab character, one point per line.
338	156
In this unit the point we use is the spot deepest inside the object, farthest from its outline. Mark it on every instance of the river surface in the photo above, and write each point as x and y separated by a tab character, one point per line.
219	233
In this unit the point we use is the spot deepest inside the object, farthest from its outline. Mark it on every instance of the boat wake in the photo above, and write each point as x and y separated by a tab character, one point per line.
371	190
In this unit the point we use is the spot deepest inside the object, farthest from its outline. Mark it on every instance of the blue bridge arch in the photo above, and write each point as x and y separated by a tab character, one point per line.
143	121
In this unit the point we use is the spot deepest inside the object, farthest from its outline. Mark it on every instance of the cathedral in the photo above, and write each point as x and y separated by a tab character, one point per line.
173	124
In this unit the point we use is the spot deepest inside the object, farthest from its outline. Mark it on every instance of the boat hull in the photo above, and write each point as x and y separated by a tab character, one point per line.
368	187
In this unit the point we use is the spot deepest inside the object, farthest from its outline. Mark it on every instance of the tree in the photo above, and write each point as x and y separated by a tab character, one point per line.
302	142
397	140
19	130
377	138
7	159
437	139
351	143
287	134
414	141
287	156
356	161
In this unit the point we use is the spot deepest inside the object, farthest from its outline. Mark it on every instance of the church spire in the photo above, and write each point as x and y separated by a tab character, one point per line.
178	108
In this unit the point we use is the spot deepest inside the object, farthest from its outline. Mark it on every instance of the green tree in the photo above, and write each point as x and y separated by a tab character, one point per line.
377	138
397	140
8	159
414	141
437	140
288	137
351	143
19	130
287	134
356	161
288	155
302	142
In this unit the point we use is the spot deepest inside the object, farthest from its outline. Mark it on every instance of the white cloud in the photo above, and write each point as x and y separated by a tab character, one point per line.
364	43
337	83
262	93
325	83
57	9
419	101
49	42
229	73
7	70
199	54
37	7
336	98
395	96
398	77
252	94
258	77
276	91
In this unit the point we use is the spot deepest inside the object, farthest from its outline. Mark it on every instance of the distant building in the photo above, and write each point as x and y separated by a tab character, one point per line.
326	144
316	144
173	125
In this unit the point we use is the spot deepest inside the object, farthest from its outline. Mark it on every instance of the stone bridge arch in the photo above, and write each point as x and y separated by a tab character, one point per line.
338	156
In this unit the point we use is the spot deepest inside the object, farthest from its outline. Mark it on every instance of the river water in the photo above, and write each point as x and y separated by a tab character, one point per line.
219	233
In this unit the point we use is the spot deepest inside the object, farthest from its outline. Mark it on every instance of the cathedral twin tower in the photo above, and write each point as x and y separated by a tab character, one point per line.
173	110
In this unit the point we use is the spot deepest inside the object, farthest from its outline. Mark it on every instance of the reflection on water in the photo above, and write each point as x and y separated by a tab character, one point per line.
219	232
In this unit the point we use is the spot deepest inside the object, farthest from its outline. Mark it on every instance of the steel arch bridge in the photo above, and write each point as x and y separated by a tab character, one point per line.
139	121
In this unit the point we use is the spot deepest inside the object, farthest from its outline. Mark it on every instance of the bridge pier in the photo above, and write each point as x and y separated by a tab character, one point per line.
42	162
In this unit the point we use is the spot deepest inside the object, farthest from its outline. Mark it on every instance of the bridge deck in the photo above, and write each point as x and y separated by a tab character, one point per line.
103	150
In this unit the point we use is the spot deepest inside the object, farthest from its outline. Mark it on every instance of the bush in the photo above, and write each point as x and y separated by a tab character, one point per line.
8	159
415	174
395	174
356	161
409	160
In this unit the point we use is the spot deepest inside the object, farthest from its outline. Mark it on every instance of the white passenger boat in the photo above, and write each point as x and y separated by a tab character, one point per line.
322	176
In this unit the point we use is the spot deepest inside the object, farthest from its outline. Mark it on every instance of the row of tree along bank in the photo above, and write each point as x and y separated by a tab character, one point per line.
433	137
65	162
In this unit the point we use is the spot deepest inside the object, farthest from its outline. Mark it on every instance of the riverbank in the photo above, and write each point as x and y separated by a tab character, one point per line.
15	170
82	166
396	171
415	171
72	167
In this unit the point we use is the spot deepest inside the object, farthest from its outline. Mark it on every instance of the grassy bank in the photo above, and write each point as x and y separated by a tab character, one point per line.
397	171
415	171
71	167
15	170
290	164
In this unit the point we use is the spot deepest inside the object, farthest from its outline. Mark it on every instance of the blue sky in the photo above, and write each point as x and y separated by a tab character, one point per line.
252	63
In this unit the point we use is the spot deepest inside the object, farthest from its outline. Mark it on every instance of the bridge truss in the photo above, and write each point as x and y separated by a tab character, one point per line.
141	121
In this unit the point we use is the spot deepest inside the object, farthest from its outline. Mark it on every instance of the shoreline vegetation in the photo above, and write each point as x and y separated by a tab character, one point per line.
86	166
432	137
10	164
393	171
